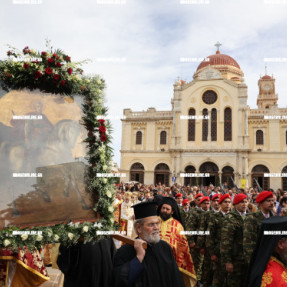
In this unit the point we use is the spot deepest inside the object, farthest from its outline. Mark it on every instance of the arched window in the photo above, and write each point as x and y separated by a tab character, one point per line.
227	124
213	125
139	137
204	125
259	137
191	126
163	137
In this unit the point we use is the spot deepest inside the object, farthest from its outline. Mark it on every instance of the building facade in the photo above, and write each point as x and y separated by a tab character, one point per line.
211	130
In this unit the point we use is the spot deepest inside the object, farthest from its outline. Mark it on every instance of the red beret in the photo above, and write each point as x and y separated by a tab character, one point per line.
204	199
263	195
198	195
178	195
239	197
224	196
215	196
185	201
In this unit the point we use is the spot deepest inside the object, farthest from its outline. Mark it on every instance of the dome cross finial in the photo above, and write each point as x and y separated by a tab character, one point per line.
217	45
265	69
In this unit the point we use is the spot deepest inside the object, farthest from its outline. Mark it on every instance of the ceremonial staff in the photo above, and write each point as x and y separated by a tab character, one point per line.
258	186
237	190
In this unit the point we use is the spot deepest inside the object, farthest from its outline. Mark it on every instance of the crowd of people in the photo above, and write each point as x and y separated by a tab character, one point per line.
211	230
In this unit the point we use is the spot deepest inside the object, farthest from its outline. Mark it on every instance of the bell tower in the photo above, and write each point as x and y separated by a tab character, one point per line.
267	96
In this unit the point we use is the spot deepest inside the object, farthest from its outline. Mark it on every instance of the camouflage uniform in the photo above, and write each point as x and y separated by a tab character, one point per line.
207	271
251	229
213	247
192	224
231	248
184	215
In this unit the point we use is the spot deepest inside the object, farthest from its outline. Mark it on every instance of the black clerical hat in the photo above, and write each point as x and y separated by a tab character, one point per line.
271	231
145	209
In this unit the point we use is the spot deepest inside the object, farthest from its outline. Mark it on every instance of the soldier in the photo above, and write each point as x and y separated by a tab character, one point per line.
253	221
213	239
193	224
207	271
231	245
179	199
184	211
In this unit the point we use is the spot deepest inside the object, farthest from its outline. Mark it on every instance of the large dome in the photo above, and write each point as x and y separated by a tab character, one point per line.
218	60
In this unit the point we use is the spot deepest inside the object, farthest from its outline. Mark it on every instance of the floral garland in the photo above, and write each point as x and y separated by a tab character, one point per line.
52	71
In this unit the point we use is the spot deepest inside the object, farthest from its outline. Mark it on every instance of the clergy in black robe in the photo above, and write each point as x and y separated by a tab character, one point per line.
87	265
154	266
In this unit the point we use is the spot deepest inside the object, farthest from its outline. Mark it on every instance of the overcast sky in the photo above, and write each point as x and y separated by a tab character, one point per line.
147	38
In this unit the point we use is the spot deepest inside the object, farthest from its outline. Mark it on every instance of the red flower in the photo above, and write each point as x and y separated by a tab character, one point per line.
50	60
67	58
37	74
48	71
58	64
103	138
44	54
26	50
102	121
9	53
26	66
102	129
63	82
54	55
70	71
56	77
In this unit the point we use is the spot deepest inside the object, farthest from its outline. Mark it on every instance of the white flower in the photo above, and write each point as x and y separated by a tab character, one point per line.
6	242
88	81
112	220
111	209
39	237
109	194
85	228
105	180
24	236
70	235
77	224
50	233
56	237
98	81
105	167
99	225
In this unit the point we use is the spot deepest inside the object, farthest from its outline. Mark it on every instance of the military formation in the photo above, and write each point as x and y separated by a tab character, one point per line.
224	235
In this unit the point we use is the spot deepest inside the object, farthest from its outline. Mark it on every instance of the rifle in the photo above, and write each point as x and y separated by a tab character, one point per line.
237	190
258	186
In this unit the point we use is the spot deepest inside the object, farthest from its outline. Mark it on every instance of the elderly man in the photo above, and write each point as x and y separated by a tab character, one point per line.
155	266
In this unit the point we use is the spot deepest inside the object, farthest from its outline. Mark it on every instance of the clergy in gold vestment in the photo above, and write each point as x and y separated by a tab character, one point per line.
170	231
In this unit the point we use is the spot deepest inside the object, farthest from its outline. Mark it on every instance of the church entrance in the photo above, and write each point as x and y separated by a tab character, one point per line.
161	174
212	169
257	173
137	172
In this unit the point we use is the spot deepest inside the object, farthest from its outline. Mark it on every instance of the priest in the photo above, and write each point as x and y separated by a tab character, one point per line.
135	266
172	231
268	266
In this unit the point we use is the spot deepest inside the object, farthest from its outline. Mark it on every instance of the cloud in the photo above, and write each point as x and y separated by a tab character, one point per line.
152	36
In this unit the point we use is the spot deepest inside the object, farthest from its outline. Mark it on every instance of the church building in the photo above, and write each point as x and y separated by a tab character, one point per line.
210	134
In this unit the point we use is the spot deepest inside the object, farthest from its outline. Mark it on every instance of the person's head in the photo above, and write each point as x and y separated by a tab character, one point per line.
128	196
166	212
225	202
197	198
119	196
179	198
185	204
281	250
214	201
240	202
148	229
205	203
283	201
265	201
